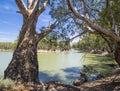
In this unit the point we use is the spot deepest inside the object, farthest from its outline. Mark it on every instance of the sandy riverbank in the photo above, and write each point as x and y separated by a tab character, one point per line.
47	51
39	50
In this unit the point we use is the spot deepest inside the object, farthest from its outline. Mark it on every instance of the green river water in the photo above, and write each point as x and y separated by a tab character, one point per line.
53	66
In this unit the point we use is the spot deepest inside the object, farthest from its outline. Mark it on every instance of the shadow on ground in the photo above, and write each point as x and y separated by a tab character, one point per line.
70	75
106	84
46	77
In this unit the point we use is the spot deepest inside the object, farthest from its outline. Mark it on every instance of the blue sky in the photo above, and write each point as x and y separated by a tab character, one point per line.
11	22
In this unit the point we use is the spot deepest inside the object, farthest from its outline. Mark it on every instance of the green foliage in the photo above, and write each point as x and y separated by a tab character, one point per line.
52	41
66	26
95	62
110	15
49	42
7	45
6	84
90	42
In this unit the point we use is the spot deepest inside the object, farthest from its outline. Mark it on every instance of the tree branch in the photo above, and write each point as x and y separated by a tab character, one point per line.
29	3
51	27
92	25
78	35
34	4
47	31
108	43
22	7
42	8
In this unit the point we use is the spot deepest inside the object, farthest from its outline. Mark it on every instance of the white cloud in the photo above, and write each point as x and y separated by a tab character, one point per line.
2	39
8	36
9	23
8	33
5	22
7	7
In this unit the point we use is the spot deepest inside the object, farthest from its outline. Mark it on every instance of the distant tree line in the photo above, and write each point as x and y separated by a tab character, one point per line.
50	42
90	42
7	45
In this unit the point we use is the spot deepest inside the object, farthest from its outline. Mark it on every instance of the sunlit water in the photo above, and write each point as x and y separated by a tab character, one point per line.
54	66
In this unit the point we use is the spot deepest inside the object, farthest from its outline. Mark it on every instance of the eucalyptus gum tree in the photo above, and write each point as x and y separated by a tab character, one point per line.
113	33
24	65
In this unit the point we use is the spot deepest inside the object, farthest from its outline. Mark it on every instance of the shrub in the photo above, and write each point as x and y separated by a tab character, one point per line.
6	84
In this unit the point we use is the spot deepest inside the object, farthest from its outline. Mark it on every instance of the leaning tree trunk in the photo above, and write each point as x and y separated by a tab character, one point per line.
117	53
24	65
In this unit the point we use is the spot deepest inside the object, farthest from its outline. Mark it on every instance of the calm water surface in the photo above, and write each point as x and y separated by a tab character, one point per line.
55	66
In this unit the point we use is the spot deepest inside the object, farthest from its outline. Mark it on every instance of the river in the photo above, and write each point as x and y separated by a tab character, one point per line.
53	66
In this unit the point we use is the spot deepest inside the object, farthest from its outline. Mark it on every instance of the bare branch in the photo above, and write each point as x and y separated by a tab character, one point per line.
18	12
78	35
42	8
35	4
52	26
29	3
47	31
85	8
108	43
92	25
22	6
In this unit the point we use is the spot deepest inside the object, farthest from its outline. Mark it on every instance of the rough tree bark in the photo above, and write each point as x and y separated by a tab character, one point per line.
117	53
24	65
99	29
110	50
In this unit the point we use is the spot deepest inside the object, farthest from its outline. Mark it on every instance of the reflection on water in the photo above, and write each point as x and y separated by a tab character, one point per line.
55	66
64	66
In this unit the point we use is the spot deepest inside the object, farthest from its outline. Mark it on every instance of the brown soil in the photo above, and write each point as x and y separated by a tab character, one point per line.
111	83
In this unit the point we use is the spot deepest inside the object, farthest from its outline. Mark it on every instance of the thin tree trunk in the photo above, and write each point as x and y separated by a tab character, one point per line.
110	50
117	53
